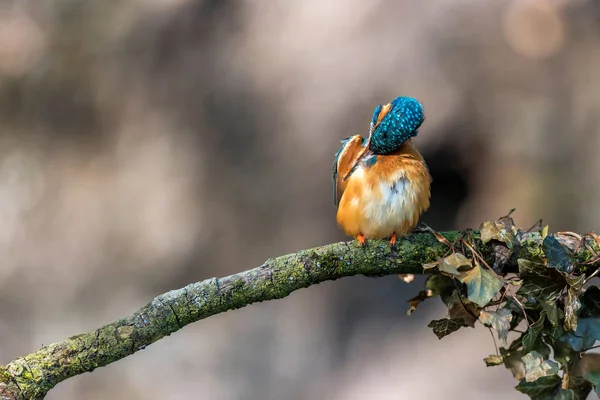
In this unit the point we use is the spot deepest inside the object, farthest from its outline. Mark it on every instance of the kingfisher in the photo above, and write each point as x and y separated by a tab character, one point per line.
382	184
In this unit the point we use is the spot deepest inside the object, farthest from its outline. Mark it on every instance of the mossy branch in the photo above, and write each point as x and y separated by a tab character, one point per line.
32	376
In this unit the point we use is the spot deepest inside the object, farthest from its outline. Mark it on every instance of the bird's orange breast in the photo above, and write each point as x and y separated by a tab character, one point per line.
386	195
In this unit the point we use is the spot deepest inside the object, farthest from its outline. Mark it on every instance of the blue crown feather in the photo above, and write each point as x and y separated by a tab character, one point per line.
401	123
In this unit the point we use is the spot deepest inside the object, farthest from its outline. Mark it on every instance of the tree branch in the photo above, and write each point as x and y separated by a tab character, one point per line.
32	376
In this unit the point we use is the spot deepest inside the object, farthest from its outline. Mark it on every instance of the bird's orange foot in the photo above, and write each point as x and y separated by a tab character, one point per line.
393	239
362	240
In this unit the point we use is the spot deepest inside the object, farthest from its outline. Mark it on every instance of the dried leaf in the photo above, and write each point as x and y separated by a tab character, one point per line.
440	238
427	266
588	367
462	309
536	367
418	299
497	231
499	320
544	232
493	360
558	256
452	263
407	278
444	327
482	285
512	359
572	303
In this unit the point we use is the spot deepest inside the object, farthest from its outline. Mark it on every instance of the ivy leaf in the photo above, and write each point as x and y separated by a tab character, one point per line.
444	327
565	394
572	303
539	282
594	378
536	367
575	282
557	255
482	285
580	387
532	335
530	269
439	284
590	302
499	320
586	334
513	360
496	231
588	367
462	309
553	313
542	388
452	263
493	360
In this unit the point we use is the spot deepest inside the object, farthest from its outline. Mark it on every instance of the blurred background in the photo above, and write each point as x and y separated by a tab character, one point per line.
147	144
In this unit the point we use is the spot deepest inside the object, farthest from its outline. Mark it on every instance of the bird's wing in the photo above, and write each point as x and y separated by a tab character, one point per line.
345	159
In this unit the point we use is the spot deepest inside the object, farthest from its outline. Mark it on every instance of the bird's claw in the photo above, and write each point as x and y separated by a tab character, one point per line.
362	240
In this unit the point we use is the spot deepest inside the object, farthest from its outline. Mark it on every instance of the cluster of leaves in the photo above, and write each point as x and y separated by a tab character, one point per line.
547	306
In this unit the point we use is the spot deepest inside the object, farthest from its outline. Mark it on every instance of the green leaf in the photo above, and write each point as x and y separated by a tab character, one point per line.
516	312
580	387
452	263
557	255
553	313
439	284
594	378
493	360
588	331
533	333
496	231
482	285
499	320
444	327
536	367
542	388
590	302
564	394
539	282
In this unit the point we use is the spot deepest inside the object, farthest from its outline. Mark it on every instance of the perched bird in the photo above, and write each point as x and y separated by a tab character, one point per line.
382	184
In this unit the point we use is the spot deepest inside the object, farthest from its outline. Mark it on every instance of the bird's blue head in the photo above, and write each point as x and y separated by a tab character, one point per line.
395	123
